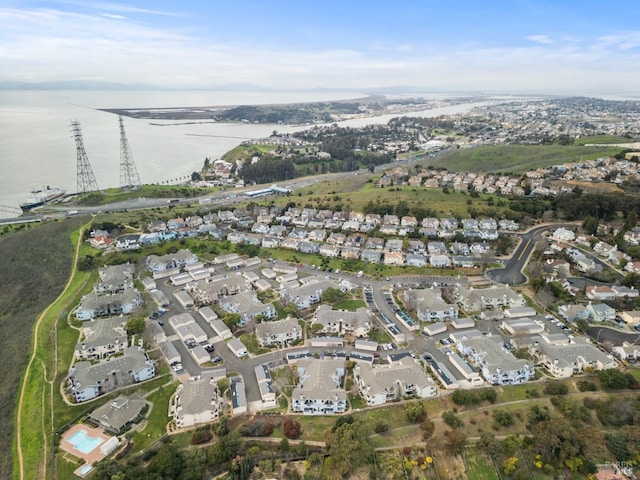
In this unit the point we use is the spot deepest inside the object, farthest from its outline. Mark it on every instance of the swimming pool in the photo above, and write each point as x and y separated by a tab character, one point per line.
84	470
82	442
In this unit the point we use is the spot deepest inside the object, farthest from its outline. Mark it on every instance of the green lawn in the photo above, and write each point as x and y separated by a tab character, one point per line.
251	342
356	401
157	419
351	305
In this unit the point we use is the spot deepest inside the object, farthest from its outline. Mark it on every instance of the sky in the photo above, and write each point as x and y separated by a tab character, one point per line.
528	46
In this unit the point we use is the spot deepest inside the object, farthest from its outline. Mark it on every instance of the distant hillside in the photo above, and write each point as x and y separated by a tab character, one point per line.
517	159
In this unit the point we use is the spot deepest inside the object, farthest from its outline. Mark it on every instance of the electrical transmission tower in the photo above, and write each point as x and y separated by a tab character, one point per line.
129	178
86	180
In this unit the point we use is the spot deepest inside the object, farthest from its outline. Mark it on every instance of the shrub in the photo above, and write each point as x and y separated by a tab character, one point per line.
291	428
586	386
201	436
415	412
556	388
503	418
428	428
258	428
488	394
381	427
450	419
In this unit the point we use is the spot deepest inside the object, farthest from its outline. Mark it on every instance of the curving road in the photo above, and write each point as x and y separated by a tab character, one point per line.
512	274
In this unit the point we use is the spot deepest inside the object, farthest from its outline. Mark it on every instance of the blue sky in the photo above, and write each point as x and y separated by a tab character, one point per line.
511	46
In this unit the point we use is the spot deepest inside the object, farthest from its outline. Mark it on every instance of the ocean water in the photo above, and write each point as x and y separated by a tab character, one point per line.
38	149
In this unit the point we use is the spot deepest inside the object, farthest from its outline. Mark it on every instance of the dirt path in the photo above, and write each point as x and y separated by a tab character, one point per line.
36	332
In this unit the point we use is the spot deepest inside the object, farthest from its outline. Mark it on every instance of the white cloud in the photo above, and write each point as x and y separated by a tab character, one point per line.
42	45
543	39
116	7
114	16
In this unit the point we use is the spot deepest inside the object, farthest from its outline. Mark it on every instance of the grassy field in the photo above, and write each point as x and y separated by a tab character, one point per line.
516	159
440	204
479	467
601	140
35	263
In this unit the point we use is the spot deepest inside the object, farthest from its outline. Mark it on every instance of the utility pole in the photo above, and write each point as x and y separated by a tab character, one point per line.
129	178
86	181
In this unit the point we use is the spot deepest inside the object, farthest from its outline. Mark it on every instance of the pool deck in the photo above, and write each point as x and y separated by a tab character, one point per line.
94	455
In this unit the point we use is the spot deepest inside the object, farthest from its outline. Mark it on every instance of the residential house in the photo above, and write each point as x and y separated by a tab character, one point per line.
342	322
279	332
429	305
386	383
119	414
416	246
460	248
601	312
309	247
248	306
371	256
376	243
92	305
102	338
350	252
171	261
562	234
497	365
238	395
440	261
394	258
394	245
573	313
265	385
320	388
562	361
600	292
622	291
416	260
88	380
436	248
475	300
303	296
331	251
197	401
604	249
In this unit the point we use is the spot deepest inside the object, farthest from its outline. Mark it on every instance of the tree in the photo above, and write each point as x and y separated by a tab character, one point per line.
489	445
350	447
456	441
613	379
415	411
556	440
333	295
135	326
232	320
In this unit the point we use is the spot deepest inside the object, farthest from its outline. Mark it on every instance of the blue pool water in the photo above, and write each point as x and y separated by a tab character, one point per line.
82	442
86	468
